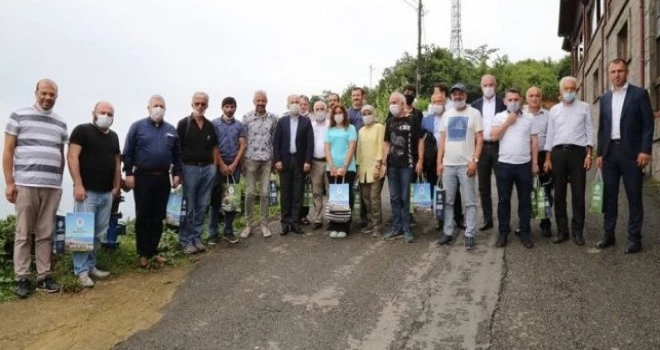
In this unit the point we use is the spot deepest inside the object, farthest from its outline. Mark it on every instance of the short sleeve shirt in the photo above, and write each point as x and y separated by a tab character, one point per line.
339	140
515	145
460	128
98	152
403	135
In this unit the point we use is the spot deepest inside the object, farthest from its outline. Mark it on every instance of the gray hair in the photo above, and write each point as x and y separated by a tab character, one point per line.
201	94
261	93
566	79
156	97
399	96
325	106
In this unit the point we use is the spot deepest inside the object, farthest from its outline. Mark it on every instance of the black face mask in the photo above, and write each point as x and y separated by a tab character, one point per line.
409	99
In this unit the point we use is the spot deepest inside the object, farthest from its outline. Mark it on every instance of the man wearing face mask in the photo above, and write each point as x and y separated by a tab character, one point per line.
152	147
488	106
517	162
95	167
403	154
410	92
33	162
199	147
432	126
319	180
231	144
293	147
569	143
461	142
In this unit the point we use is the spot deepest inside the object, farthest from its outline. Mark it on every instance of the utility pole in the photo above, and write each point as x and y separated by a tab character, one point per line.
371	75
420	14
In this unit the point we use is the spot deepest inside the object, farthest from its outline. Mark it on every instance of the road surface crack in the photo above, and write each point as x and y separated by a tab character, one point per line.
500	292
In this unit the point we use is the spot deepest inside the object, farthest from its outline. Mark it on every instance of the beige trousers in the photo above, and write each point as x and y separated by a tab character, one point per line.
319	186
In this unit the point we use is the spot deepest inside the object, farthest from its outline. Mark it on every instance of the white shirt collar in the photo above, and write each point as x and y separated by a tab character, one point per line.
622	89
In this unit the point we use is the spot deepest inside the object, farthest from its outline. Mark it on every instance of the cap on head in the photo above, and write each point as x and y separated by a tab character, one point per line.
459	87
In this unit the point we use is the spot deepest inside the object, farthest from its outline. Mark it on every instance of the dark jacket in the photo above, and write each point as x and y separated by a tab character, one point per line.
636	123
479	105
304	141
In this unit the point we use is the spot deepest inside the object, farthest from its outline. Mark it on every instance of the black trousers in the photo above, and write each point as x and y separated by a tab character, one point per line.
618	165
350	179
568	167
546	182
485	168
292	186
151	193
432	178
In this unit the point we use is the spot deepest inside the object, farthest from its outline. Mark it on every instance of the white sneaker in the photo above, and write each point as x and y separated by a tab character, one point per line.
341	234
265	231
98	274
333	234
85	280
246	232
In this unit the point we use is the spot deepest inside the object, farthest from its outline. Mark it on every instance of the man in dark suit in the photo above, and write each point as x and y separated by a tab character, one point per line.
625	134
293	145
488	106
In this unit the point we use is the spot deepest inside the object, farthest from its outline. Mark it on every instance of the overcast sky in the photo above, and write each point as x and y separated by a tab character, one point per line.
125	51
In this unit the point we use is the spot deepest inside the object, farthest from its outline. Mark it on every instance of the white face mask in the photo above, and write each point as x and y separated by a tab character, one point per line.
368	119
395	110
339	119
459	104
488	91
319	116
294	109
103	121
437	109
157	114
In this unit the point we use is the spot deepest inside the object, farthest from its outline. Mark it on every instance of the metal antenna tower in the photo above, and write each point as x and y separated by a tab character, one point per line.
456	43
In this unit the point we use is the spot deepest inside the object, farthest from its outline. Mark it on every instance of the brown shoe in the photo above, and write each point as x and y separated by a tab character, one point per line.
143	262
159	259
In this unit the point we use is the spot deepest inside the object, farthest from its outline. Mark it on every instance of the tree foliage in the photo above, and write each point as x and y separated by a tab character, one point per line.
438	65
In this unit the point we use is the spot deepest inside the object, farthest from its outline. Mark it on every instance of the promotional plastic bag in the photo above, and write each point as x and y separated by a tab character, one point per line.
338	208
173	212
231	196
308	194
421	197
439	198
597	188
79	232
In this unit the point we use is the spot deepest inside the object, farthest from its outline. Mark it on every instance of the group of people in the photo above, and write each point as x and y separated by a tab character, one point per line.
453	145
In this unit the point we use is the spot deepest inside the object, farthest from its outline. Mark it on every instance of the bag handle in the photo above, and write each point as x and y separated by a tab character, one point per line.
77	205
536	182
599	176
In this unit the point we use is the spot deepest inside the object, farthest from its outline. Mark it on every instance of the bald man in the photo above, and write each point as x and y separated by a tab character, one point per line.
94	164
488	106
33	163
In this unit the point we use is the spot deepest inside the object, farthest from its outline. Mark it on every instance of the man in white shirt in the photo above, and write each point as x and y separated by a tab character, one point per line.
320	126
488	106
516	163
540	128
569	143
460	147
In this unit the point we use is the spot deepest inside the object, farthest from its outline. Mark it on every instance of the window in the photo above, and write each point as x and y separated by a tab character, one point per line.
622	42
580	49
595	84
597	12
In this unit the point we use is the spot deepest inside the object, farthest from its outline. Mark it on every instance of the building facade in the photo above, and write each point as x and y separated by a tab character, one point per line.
598	31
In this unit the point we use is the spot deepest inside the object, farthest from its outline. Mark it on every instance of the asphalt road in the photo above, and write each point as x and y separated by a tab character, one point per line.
314	292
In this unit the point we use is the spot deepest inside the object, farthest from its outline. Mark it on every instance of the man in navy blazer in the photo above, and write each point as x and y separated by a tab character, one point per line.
625	134
293	146
488	106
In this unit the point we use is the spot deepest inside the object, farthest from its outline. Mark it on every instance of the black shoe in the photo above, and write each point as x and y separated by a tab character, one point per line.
304	222
469	243
48	285
364	223
23	288
526	241
285	230
297	229
560	238
578	238
317	226
546	231
460	225
633	247
502	240
230	237
607	241
487	226
445	240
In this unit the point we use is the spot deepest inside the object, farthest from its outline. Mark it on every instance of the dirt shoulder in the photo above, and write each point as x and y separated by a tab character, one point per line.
98	318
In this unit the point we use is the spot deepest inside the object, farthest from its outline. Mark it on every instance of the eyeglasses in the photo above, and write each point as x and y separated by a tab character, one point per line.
200	104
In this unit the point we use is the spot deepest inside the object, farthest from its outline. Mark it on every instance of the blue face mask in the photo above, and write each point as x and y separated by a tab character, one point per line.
568	96
513	106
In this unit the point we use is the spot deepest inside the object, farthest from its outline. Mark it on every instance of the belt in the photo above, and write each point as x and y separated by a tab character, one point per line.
318	159
492	143
616	141
200	164
567	147
152	171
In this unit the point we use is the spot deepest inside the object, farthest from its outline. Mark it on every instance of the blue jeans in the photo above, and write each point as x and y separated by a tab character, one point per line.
197	186
452	177
99	203
507	175
399	180
216	207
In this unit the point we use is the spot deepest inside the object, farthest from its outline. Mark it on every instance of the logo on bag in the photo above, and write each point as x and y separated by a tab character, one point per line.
230	190
597	187
80	222
340	190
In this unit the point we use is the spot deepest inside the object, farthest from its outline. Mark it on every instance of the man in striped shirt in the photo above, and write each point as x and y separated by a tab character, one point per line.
33	162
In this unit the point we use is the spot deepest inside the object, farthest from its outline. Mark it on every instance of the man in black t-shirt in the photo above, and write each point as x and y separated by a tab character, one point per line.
403	153
94	164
